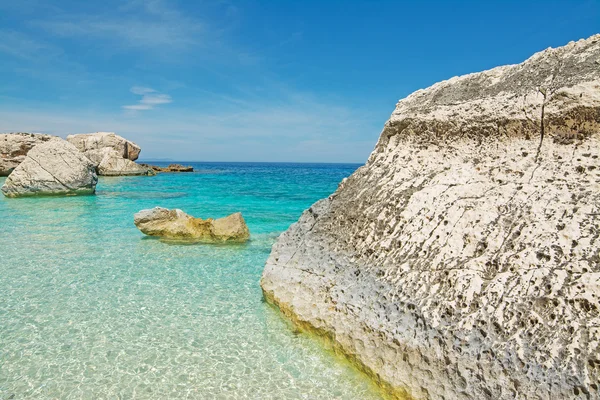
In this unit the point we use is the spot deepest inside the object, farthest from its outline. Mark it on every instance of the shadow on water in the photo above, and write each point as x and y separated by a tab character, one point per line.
194	242
142	195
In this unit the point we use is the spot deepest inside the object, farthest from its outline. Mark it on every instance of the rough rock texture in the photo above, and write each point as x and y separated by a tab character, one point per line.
463	260
110	163
170	168
176	224
55	167
94	141
15	146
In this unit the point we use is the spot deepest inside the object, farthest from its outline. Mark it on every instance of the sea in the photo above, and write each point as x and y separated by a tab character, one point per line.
90	308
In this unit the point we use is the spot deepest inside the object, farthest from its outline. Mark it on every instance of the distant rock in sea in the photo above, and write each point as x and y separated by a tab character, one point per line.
463	260
15	146
99	140
170	168
112	154
175	224
110	163
54	167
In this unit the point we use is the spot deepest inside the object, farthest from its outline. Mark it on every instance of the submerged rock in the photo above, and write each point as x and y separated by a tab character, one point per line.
15	146
110	163
462	261
99	140
176	224
170	168
55	167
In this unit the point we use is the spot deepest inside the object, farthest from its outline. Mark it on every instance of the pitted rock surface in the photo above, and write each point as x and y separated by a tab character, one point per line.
15	146
463	260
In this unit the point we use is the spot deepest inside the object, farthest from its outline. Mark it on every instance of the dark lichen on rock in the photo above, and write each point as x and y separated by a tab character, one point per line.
462	260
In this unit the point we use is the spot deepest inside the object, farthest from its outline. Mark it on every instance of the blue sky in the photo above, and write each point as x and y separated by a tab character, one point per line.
220	80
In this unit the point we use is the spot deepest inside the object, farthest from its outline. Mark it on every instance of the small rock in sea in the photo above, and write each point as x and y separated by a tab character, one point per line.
170	168
175	224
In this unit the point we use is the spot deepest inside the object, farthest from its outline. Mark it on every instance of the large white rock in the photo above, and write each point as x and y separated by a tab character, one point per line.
110	163
463	260
55	167
15	146
94	141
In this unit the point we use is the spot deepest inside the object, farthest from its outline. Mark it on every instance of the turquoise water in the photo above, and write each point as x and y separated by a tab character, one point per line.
92	309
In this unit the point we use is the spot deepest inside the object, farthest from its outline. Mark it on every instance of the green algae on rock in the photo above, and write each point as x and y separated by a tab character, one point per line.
175	224
462	260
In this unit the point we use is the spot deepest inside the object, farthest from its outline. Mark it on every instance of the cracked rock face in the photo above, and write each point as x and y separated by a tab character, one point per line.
463	260
52	168
15	146
110	163
99	140
175	224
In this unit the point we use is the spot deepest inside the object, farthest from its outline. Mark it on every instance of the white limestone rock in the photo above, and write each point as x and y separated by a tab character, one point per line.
15	146
96	156
463	260
110	163
55	167
99	140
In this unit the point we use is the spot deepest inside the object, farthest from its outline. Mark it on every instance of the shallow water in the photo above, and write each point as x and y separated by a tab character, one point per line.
92	309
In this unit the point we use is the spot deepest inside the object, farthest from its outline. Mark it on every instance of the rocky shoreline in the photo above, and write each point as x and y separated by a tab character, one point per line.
462	260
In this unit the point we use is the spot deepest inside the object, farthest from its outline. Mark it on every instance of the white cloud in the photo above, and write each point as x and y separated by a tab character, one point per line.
142	24
150	99
141	90
23	46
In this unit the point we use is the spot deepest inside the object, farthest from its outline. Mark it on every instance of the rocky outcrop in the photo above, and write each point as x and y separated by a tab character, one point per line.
170	168
15	146
55	167
463	260
175	224
110	163
99	140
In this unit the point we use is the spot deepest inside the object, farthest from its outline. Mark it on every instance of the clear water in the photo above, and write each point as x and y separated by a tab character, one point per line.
92	309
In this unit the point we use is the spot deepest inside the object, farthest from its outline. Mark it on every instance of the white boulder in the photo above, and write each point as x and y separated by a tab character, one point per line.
55	167
99	140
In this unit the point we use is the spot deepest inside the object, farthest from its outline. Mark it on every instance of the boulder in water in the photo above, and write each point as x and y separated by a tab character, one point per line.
99	140
110	163
463	260
175	224
55	167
